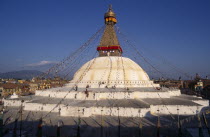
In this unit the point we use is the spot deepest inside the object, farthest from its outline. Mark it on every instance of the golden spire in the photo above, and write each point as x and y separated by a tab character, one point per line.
109	44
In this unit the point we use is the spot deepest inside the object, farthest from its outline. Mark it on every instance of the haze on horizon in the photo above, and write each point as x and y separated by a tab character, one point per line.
35	34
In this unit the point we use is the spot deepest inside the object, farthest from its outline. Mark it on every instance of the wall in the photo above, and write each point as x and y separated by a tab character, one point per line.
172	109
92	95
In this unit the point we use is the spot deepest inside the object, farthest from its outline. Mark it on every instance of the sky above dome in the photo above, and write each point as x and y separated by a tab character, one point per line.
37	33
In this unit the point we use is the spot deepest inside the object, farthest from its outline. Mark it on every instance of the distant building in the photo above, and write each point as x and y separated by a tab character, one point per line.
34	86
1	90
9	88
21	81
170	83
199	86
11	80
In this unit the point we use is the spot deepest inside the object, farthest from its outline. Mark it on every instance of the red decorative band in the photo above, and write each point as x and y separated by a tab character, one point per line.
109	48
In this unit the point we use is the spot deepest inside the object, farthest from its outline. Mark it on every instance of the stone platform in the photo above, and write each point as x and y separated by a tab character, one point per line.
134	102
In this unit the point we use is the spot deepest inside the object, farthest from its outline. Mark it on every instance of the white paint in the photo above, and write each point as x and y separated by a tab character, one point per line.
14	95
15	103
111	71
108	111
174	92
202	102
93	95
105	111
172	109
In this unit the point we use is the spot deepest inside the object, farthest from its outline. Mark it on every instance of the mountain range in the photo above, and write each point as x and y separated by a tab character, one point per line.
22	74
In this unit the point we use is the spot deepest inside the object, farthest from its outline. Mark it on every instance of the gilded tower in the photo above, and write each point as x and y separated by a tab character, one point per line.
109	44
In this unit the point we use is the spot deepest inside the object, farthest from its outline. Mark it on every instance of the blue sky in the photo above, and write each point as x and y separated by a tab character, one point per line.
38	32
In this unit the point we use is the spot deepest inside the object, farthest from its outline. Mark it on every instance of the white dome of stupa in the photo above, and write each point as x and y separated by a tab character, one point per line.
111	71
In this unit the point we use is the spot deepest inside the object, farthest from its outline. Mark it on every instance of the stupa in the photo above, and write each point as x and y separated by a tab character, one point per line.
110	83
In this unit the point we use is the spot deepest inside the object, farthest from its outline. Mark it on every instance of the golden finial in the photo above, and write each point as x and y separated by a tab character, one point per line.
110	16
